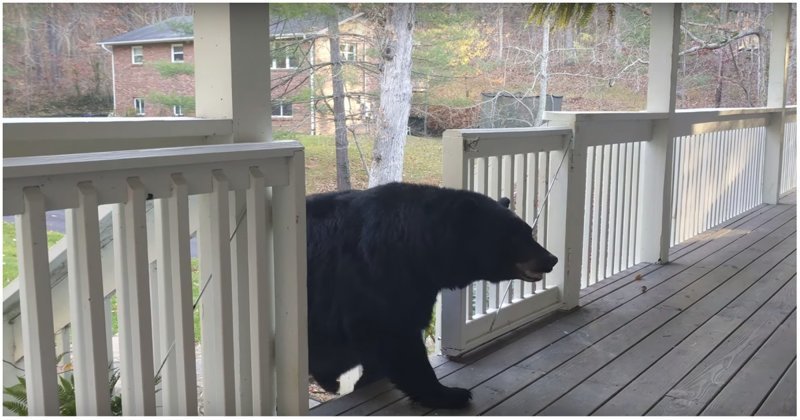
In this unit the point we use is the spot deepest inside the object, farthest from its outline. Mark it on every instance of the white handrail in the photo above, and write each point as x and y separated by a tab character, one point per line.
128	179
602	220
52	136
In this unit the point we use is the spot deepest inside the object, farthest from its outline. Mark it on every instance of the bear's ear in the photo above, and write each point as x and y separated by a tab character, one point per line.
505	202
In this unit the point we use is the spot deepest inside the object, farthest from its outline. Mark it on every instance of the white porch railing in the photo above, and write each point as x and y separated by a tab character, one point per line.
716	175
594	218
126	180
789	159
517	164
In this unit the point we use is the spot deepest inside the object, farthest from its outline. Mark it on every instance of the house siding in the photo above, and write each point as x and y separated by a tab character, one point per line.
144	80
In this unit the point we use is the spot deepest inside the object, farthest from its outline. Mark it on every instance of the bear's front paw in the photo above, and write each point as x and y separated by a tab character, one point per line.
452	398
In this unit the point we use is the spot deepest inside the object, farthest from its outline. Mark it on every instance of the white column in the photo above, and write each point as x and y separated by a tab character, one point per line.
86	305
655	195
776	98
232	80
565	228
232	77
291	314
451	310
36	306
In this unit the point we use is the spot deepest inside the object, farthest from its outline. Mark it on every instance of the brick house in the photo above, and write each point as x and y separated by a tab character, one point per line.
153	72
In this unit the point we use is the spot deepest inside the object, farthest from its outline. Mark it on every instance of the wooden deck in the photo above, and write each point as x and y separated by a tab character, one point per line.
711	333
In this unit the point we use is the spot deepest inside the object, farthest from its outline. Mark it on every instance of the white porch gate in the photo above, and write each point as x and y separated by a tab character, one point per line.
519	164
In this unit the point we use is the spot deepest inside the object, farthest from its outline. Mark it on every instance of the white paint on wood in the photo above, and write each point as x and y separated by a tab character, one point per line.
776	97
217	311
563	233
470	317
262	301
137	299
181	311
291	319
164	302
239	231
789	163
655	190
87	307
36	306
123	292
51	136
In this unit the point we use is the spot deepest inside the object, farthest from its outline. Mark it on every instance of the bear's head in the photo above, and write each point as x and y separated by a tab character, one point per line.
498	245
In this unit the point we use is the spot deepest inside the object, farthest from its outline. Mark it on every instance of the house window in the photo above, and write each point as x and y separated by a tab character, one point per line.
177	53
137	55
366	108
285	55
177	110
347	52
281	109
138	103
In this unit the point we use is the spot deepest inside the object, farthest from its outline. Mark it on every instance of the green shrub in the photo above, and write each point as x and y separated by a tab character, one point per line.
167	69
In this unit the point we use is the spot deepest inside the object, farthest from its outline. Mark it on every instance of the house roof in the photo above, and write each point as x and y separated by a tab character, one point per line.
180	29
173	29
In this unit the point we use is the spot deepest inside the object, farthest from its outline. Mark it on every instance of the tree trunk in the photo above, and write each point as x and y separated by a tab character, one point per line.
718	93
763	45
617	36
500	22
395	95
339	122
543	74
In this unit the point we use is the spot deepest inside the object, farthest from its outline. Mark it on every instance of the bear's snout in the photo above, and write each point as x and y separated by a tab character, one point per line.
549	262
534	268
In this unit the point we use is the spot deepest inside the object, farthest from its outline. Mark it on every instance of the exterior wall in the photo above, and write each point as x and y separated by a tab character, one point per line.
361	87
142	80
293	85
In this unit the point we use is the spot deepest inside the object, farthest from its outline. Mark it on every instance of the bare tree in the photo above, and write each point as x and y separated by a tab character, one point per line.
543	73
339	121
395	94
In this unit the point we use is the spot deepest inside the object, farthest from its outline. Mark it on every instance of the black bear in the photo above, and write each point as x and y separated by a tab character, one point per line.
377	259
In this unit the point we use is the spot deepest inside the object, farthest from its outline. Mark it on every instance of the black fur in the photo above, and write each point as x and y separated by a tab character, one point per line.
376	260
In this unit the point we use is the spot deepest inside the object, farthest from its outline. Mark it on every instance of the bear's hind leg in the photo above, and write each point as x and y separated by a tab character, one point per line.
369	375
327	368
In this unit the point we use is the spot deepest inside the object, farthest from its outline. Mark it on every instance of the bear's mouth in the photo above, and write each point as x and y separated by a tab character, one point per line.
529	275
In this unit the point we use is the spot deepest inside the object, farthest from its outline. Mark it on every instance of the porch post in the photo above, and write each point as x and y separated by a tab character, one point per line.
776	98
565	228
656	187
232	81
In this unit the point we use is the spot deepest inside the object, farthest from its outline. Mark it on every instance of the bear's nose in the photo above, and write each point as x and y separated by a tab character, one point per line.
550	262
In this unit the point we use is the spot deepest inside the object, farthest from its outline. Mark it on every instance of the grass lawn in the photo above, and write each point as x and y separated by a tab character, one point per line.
10	267
423	161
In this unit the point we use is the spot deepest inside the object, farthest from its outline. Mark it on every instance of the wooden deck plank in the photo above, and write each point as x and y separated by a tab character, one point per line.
486	368
696	389
498	374
489	393
393	394
745	392
348	401
537	395
644	391
782	401
604	287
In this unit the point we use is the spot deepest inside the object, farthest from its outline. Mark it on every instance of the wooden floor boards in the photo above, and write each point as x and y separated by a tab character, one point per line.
714	324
